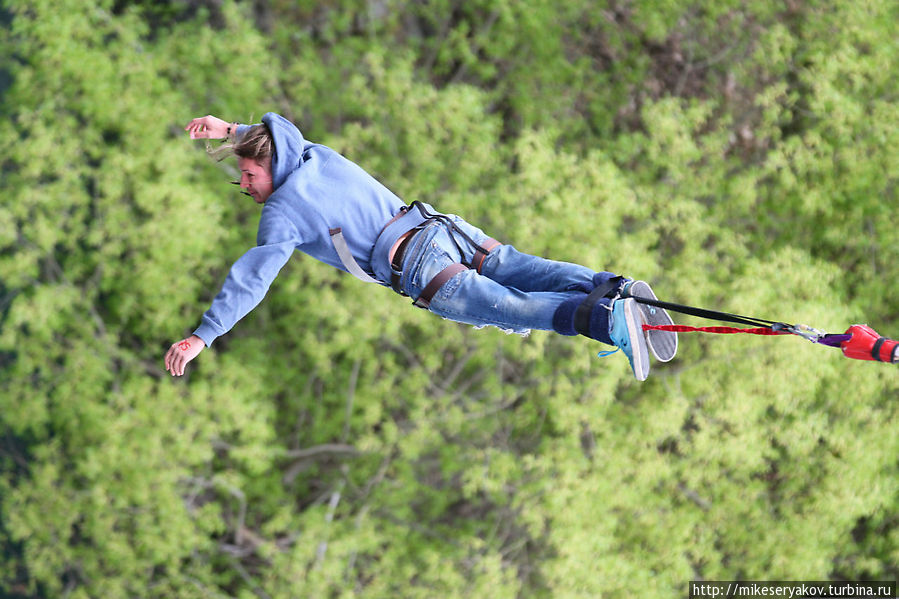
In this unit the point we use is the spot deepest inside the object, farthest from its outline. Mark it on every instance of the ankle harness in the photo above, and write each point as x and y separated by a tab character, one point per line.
607	289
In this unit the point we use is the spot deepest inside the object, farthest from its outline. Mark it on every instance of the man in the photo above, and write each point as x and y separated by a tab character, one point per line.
316	201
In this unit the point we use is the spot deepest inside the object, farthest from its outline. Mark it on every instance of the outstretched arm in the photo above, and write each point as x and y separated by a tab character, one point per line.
181	353
210	127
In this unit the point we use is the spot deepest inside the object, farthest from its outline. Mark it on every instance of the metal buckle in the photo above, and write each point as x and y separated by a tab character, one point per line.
806	332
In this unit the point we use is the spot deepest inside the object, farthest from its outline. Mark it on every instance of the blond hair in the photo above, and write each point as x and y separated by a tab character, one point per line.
256	144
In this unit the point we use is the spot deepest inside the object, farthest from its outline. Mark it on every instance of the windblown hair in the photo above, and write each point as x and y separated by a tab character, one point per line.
256	144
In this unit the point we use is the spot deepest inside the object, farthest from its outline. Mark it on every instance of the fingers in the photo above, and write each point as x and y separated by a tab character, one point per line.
174	360
182	352
170	359
178	365
207	127
198	128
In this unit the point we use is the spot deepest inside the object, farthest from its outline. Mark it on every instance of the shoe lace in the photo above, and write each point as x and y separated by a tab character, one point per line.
606	354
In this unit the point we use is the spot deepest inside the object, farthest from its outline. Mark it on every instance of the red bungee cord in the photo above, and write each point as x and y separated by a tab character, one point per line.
859	342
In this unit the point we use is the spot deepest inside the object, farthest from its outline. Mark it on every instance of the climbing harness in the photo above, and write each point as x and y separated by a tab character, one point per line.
480	251
860	342
440	279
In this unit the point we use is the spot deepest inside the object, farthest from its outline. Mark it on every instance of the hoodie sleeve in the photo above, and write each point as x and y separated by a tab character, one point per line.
241	129
251	276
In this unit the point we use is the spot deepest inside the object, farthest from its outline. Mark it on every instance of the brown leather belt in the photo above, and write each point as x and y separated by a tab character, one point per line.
488	245
396	264
442	277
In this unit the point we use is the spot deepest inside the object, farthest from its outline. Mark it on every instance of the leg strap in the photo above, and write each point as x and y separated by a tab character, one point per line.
424	300
481	252
585	309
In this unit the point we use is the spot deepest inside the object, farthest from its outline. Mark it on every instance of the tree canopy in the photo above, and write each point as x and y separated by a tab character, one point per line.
338	443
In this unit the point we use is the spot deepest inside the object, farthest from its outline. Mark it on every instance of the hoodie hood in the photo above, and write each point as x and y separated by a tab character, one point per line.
289	144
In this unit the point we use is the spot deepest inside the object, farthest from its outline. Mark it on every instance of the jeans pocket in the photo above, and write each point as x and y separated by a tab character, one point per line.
433	260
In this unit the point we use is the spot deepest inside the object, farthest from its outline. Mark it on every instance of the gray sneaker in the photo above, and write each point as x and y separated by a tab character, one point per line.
662	344
626	331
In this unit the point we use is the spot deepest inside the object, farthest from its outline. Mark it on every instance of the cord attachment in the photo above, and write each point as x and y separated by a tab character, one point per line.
867	344
806	332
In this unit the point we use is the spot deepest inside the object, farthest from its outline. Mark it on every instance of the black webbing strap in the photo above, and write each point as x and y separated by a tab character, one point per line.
711	314
454	229
875	351
582	314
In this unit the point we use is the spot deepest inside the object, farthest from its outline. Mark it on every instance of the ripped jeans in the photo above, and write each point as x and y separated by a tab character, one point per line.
516	292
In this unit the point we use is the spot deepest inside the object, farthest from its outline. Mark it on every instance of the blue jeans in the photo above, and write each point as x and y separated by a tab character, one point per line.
515	291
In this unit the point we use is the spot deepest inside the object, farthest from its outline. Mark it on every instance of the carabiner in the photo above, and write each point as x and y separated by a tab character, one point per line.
806	332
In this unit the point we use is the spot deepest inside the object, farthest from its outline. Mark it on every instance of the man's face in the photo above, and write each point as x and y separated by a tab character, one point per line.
255	179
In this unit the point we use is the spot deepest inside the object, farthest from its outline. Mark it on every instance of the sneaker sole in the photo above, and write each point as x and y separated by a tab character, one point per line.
662	344
634	322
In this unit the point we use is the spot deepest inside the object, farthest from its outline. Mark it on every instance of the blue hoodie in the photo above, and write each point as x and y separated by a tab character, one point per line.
315	190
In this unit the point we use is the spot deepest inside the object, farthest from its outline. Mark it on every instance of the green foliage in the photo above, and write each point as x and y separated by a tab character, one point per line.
338	443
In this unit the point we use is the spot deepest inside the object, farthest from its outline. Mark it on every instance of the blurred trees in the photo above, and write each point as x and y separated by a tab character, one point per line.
337	443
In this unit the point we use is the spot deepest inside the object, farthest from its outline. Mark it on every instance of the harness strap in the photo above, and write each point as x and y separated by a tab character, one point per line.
396	266
396	217
481	251
346	257
710	314
434	285
424	300
453	228
477	261
585	308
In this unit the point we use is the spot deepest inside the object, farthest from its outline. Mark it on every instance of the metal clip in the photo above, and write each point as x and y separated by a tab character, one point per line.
806	332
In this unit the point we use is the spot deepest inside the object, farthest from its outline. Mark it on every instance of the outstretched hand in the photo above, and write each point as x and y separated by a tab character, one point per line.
208	127
181	353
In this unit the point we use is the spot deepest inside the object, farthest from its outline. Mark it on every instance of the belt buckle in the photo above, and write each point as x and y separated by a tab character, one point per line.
395	283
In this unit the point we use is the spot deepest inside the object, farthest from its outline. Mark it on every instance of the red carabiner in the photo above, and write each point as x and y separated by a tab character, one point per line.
867	344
